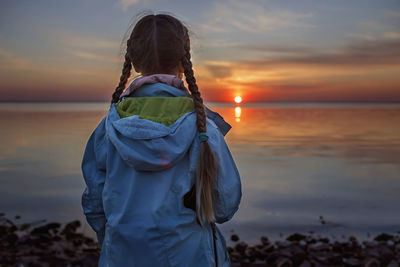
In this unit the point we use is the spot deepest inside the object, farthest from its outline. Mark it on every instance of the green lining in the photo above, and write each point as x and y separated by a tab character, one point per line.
164	110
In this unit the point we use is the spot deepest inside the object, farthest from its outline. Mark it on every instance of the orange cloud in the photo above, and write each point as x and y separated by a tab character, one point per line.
367	70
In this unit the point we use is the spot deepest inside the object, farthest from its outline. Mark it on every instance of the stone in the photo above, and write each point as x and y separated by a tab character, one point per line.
372	262
296	237
234	238
284	262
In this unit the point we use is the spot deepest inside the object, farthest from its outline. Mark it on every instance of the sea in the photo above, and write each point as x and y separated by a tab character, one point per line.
328	169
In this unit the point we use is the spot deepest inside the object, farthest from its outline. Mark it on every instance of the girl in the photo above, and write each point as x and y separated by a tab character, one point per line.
158	172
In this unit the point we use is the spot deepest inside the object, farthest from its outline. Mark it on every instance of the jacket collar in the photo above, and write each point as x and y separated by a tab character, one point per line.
162	85
168	79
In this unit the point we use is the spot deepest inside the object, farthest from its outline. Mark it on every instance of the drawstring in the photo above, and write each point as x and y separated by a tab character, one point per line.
215	243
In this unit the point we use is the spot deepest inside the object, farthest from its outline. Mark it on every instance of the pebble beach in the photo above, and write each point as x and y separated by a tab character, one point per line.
44	243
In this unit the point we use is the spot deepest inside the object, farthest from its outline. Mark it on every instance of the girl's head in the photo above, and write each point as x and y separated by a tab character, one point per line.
160	44
157	44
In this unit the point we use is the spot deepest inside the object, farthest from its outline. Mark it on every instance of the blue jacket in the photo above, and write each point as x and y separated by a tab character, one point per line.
136	173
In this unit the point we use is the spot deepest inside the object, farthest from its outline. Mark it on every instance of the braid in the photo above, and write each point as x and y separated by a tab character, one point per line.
126	72
194	90
206	164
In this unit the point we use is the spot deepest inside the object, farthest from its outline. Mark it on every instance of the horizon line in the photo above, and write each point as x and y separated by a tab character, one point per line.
224	102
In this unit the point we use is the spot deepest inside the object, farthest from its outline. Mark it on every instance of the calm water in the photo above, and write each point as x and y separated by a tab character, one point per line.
297	162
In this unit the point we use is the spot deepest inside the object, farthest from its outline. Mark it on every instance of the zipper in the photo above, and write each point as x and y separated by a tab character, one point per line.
215	243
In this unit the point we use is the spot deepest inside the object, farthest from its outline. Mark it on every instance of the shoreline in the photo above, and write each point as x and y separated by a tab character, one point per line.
44	243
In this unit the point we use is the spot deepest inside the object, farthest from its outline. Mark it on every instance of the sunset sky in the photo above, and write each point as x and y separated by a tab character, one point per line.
274	51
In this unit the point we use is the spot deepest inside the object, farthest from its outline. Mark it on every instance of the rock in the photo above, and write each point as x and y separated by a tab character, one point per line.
372	263
272	257
298	255
285	253
322	259
259	253
397	249
311	240
373	252
370	244
241	247
71	227
283	244
305	263
257	264
89	260
335	259
383	237
386	255
319	246
321	219
284	262
45	229
269	248
295	237
46	246
264	240
234	238
351	261
251	254
12	239
353	239
43	246
235	256
393	263
324	240
24	226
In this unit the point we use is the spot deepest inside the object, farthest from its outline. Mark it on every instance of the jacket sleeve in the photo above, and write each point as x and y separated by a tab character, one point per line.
94	173
228	187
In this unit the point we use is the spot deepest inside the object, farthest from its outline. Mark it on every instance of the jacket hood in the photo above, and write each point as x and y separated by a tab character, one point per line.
152	133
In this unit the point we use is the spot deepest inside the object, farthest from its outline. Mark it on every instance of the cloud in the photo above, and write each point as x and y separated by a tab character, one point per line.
357	69
125	4
70	39
391	35
362	36
217	43
252	17
392	13
13	63
375	30
367	53
9	61
89	47
280	62
94	56
218	69
275	48
388	35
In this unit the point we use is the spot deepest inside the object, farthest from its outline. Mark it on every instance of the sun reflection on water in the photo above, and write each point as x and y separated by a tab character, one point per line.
238	113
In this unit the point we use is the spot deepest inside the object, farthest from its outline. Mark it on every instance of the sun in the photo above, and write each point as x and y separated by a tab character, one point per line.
238	99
